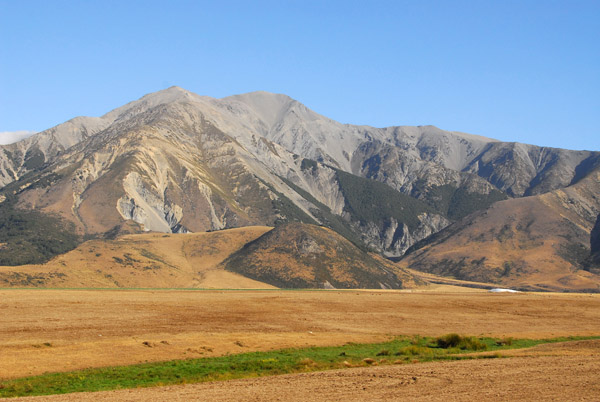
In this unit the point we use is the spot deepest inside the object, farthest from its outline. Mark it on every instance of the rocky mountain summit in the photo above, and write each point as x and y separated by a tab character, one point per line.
174	161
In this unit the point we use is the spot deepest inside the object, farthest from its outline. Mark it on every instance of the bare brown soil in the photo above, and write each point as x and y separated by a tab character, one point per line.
60	330
553	372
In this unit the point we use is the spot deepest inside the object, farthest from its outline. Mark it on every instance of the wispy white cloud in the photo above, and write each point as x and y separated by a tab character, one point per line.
8	137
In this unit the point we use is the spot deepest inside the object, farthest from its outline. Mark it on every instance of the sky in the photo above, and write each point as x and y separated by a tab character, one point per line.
525	71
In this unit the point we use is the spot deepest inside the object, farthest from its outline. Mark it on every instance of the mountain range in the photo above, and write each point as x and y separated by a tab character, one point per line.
442	202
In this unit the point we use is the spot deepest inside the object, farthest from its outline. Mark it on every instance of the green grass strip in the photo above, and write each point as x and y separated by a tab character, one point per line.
255	364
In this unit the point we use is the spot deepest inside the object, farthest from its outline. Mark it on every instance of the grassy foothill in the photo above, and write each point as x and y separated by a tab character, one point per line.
397	351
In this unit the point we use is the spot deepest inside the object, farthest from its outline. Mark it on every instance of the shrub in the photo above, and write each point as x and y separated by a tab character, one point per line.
461	342
448	341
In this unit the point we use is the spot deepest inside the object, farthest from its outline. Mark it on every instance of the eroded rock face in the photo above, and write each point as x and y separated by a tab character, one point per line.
394	238
147	208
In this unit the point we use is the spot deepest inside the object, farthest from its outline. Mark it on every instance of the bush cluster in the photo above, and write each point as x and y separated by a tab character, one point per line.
462	342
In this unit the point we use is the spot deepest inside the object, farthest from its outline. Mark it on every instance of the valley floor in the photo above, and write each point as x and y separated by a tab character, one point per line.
63	330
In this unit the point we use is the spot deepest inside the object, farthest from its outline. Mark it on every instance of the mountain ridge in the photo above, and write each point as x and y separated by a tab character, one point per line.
532	243
174	161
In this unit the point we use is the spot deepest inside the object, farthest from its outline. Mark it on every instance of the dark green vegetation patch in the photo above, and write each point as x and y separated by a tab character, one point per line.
286	210
328	218
455	202
32	237
371	201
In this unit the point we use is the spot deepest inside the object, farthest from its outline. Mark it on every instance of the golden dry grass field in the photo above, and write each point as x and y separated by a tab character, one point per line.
60	330
145	260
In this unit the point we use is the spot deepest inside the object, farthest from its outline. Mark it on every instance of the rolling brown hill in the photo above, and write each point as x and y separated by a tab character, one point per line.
258	257
151	260
537	242
297	255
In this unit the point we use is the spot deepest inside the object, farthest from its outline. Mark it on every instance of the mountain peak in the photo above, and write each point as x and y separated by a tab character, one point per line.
165	96
258	95
268	106
169	94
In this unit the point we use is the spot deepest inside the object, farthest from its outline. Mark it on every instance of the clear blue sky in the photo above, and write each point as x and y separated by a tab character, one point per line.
526	71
